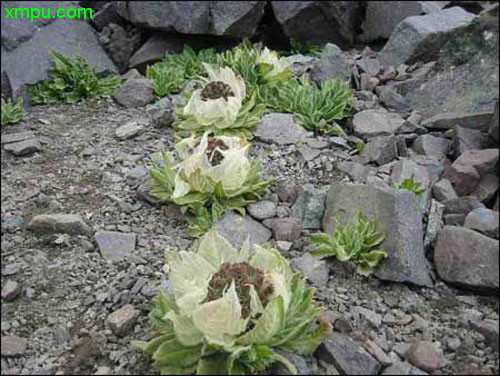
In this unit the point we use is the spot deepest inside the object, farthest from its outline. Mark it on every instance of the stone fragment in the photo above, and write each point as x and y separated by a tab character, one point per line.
380	150
444	191
373	123
59	223
432	146
489	329
123	320
377	352
115	246
356	171
129	130
424	355
483	220
135	92
372	317
281	129
486	188
13	346
8	138
288	229
315	270
237	229
331	64
310	206
467	139
262	209
23	148
392	100
288	193
10	290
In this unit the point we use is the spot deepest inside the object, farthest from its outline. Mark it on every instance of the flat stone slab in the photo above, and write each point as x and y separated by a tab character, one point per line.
23	148
312	268
13	346
115	246
373	123
397	214
281	129
237	229
59	223
129	130
8	138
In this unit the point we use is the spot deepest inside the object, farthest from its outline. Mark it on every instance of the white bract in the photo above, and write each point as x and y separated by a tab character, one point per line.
271	58
220	112
196	171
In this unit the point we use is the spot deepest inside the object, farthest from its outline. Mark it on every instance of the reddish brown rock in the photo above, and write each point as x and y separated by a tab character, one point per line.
424	355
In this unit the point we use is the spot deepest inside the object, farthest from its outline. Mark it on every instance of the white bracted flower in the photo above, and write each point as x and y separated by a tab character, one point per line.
207	161
220	100
271	58
219	289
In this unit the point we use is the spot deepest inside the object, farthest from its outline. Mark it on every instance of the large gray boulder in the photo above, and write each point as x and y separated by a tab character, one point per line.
319	22
25	51
227	18
396	213
468	259
382	17
419	38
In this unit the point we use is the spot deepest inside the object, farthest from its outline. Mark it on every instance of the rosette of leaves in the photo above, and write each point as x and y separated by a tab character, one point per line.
314	105
411	185
355	241
73	80
208	175
12	112
219	106
227	311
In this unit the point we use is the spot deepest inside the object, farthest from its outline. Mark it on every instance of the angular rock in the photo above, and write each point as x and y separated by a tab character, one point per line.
465	173
136	92
59	223
392	100
356	171
377	352
474	120
262	209
467	139
161	112
23	148
115	246
281	129
443	191
380	150
434	223
467	259
106	15
129	130
486	188
432	146
315	270
493	130
372	317
419	38
120	44
483	220
369	65
310	206
155	49
234	19
10	290
373	123
123	320
236	229
489	329
28	61
318	22
13	346
406	169
382	17
347	356
462	205
424	355
396	213
288	229
8	138
331	64
287	193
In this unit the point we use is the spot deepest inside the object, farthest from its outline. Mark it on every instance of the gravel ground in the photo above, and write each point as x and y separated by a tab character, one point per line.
68	289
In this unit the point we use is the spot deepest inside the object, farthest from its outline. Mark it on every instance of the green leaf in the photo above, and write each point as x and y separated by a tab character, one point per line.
320	238
172	353
213	365
374	240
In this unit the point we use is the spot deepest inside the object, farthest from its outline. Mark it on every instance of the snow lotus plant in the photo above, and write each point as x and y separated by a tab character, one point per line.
226	311
272	67
219	106
208	175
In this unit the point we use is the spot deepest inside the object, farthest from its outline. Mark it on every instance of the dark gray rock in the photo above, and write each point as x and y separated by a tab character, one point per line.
319	22
155	49
129	130
457	209
483	220
161	112
288	229
347	356
310	206
382	17
59	223
120	44
231	18
29	61
355	170
136	92
473	120
13	346
380	150
468	139
115	246
443	191
419	38
281	129
392	100
105	16
467	259
315	270
262	209
432	146
396	213
123	320
236	229
369	65
487	188
373	123
331	64
24	148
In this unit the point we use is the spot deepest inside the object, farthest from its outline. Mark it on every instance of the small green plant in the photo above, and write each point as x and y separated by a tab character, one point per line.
353	241
298	47
73	80
314	105
208	176
12	112
227	311
411	185
167	80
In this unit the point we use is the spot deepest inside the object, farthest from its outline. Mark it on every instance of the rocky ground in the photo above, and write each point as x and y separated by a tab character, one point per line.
59	290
